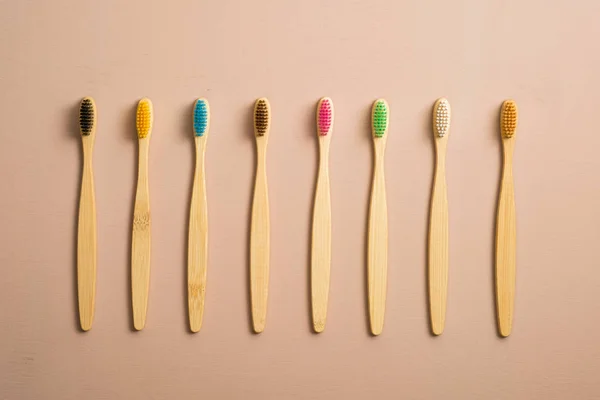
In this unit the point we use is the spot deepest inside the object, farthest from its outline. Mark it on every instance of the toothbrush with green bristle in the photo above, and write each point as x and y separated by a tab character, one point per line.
378	221
198	228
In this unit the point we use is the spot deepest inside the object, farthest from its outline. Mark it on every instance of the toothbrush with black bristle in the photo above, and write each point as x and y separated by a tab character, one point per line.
198	228
86	234
141	239
260	225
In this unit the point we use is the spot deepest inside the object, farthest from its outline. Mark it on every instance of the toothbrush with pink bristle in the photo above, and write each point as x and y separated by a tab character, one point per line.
321	226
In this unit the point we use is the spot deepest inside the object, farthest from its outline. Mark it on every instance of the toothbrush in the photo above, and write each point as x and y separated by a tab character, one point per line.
198	230
378	224
321	226
259	231
438	221
86	236
506	230
140	243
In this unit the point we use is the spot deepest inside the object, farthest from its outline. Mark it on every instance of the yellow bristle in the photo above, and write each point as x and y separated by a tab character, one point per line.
143	118
508	118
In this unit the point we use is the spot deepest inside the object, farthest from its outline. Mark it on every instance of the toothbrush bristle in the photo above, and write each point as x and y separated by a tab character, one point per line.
143	118
262	117
201	116
508	118
325	116
380	118
87	116
442	117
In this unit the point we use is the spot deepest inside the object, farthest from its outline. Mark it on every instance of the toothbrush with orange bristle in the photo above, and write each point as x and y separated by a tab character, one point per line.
198	229
378	220
140	241
86	236
438	221
321	226
260	225
506	228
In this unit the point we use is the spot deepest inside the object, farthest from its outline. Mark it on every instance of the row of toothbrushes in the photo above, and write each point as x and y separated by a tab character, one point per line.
321	225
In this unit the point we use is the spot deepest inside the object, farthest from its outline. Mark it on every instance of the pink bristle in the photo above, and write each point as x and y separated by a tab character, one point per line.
324	117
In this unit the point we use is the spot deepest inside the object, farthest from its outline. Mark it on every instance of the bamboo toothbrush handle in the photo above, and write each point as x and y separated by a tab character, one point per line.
506	243
140	249
378	247
438	245
198	241
86	241
259	242
321	240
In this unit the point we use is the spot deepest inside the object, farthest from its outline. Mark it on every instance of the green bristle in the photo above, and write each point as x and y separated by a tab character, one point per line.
380	118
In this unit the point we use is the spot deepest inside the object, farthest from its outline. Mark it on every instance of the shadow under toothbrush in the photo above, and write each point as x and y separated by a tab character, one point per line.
311	132
73	132
498	136
187	133
249	133
366	127
130	131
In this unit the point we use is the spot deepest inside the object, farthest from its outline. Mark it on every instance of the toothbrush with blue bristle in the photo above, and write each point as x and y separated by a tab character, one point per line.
198	229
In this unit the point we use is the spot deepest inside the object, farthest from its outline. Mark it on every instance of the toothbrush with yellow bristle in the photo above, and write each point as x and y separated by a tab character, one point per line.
506	229
378	220
260	226
198	229
321	226
438	221
86	235
140	242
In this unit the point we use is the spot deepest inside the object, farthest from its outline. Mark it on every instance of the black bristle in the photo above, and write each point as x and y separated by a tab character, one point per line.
86	117
261	118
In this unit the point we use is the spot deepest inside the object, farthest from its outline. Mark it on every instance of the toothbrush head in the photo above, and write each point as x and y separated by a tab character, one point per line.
201	117
380	117
325	116
441	117
87	116
508	119
143	118
262	117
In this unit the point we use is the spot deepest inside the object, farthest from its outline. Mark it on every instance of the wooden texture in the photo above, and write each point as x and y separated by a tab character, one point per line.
378	239
198	241
140	243
86	238
437	257
321	239
259	239
506	243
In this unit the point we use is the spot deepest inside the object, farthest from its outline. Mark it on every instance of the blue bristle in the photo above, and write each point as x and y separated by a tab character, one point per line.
200	118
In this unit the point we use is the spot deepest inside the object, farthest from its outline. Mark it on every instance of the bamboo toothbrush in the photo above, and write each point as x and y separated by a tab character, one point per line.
198	230
140	243
506	230
259	231
86	236
438	221
321	226
378	224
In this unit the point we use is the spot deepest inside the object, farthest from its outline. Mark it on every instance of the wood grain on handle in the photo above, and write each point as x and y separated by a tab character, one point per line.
140	243
438	242
259	240
321	239
378	242
198	241
506	243
86	240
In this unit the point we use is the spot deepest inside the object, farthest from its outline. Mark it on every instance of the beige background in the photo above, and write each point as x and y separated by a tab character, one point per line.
477	53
